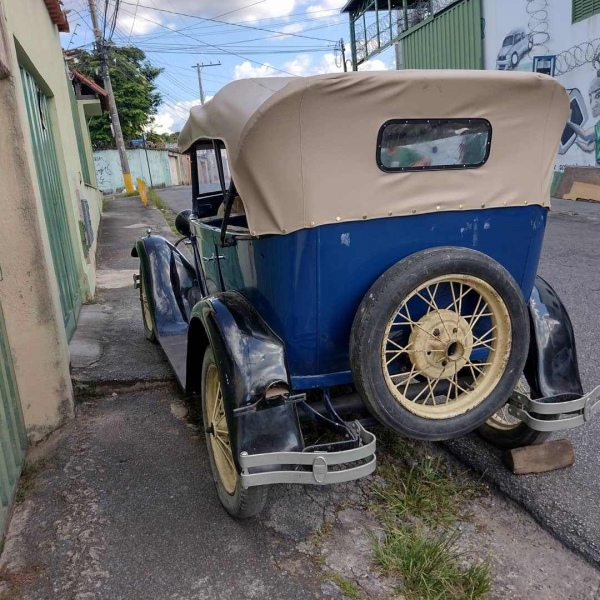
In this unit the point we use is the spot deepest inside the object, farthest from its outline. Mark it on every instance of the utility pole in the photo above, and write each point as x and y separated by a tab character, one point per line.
112	105
199	67
343	50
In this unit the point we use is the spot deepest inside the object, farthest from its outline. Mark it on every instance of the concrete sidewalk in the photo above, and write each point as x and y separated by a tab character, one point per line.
109	345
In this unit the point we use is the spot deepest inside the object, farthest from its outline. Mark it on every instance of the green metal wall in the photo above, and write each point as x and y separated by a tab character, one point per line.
53	200
13	440
450	40
83	159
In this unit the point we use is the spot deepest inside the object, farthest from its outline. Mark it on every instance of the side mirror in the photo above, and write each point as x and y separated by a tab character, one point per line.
182	223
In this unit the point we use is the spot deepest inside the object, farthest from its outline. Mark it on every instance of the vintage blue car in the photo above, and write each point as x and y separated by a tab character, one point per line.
371	251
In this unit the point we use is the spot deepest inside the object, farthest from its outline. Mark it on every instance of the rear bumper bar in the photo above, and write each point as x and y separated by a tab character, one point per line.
571	412
317	464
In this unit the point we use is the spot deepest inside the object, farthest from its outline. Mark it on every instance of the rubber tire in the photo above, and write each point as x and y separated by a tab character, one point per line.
377	307
148	333
518	437
242	504
514	63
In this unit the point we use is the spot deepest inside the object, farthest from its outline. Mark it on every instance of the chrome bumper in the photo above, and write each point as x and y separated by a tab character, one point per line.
319	463
574	412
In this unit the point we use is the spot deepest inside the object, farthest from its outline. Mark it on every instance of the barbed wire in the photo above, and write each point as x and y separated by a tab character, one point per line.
539	34
578	56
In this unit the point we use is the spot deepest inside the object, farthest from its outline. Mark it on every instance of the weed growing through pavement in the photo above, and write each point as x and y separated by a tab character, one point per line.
164	209
419	498
348	588
28	480
431	567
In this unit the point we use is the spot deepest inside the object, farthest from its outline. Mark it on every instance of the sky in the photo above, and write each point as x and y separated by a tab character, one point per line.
250	38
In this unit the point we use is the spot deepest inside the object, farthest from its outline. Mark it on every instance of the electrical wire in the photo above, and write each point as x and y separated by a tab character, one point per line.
226	23
217	47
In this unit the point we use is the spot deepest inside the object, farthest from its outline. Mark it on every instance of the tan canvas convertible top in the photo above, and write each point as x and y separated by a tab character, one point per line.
302	150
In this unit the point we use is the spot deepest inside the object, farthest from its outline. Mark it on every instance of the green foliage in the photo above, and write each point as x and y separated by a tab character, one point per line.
431	567
421	486
419	498
349	589
171	138
136	95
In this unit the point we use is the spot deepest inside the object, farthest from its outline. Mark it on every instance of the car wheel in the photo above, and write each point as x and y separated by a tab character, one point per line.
146	312
238	502
438	343
514	60
506	432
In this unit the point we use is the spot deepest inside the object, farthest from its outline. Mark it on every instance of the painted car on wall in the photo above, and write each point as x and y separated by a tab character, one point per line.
514	47
385	271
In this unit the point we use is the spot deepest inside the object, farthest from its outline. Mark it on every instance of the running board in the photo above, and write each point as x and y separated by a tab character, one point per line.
575	411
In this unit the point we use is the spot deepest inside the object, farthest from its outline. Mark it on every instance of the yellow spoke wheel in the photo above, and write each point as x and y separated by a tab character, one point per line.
239	502
218	431
146	311
442	377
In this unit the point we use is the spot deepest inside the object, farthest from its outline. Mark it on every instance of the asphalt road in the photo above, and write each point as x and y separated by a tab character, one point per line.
564	501
178	198
567	501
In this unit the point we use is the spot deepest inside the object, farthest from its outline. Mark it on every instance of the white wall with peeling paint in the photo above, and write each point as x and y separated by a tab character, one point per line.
108	168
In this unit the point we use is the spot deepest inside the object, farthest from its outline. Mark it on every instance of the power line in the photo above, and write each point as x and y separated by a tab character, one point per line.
217	47
226	23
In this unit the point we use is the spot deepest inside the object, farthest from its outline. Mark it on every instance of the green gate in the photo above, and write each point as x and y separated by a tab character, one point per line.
13	440
449	40
53	201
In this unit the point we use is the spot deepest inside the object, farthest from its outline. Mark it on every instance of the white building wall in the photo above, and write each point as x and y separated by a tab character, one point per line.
548	24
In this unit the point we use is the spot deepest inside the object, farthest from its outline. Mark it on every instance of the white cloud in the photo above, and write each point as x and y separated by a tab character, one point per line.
225	10
247	70
325	8
171	118
302	66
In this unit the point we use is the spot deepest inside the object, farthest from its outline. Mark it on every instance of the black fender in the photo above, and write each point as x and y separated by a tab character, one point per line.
552	365
251	360
170	279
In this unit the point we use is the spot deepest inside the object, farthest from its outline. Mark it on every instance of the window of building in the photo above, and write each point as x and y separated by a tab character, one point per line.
584	9
433	144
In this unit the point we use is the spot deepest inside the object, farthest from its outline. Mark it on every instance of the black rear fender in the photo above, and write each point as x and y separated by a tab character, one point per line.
251	361
552	365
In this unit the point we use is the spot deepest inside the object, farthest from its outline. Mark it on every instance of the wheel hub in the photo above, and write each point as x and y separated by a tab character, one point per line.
440	344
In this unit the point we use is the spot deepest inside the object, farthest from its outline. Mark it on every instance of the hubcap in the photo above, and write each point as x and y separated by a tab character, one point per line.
446	347
218	431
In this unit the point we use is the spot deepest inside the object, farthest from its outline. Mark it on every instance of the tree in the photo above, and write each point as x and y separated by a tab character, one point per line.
153	136
136	95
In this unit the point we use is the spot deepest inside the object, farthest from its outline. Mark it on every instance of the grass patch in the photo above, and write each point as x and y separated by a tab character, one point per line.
420	486
349	589
431	567
164	209
419	499
131	194
28	480
105	204
426	490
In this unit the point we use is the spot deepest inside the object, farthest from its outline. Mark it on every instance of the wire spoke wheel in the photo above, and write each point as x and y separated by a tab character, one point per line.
146	307
447	345
503	420
219	431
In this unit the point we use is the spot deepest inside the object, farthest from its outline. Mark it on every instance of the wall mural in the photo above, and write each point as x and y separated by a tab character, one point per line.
515	46
578	131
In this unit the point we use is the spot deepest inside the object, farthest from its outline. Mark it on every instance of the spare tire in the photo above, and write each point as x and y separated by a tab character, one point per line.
439	342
